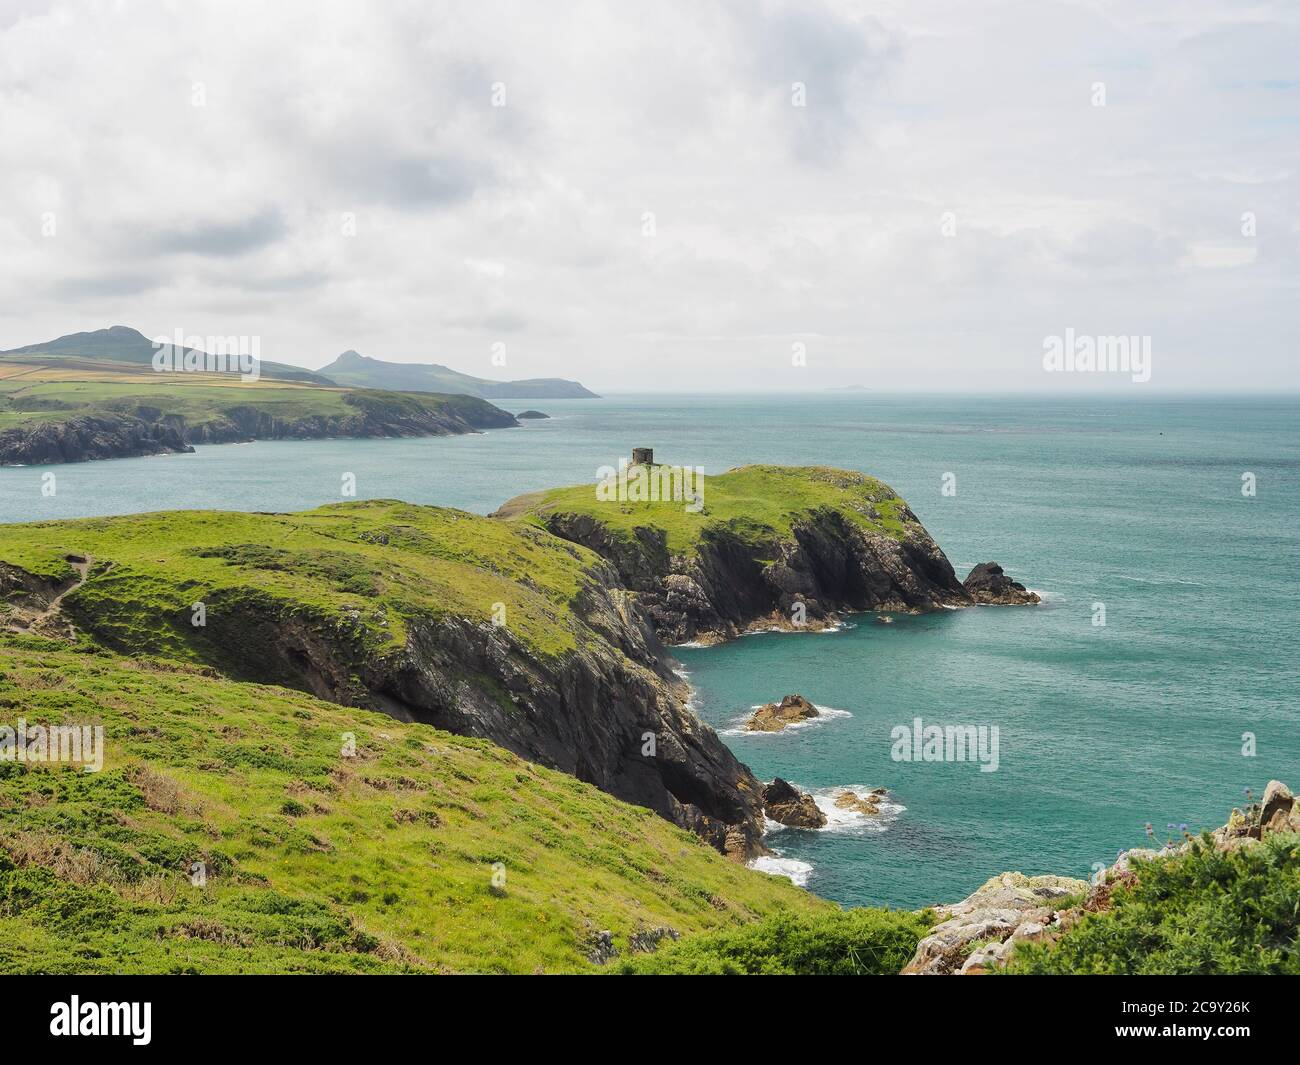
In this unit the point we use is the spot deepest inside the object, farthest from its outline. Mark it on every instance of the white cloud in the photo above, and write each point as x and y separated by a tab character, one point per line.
771	223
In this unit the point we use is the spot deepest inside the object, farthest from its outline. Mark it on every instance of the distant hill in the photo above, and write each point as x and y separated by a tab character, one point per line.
352	368
120	343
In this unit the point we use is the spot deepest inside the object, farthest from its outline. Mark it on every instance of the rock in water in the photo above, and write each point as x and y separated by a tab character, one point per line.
848	800
785	803
988	583
773	717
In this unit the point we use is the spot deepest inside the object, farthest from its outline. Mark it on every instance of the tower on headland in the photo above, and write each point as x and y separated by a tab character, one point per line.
643	456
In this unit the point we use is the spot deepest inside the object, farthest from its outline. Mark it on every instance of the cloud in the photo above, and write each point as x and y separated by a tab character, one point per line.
649	205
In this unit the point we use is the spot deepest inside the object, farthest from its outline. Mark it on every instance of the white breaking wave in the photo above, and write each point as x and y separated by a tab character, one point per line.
1160	580
797	871
855	822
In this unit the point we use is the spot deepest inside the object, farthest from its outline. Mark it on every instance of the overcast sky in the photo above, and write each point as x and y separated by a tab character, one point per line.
650	208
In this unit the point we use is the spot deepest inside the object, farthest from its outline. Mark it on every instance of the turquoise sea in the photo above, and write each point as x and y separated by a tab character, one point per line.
1136	504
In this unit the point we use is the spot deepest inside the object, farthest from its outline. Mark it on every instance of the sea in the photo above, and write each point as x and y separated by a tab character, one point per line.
1156	687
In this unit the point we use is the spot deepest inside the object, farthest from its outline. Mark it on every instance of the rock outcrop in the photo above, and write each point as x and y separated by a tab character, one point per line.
980	933
786	804
773	717
988	918
989	585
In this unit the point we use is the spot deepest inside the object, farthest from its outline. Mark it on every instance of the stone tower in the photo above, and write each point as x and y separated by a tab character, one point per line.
643	456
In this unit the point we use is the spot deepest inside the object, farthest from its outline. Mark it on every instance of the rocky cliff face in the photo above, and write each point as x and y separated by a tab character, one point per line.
145	430
90	436
615	719
829	565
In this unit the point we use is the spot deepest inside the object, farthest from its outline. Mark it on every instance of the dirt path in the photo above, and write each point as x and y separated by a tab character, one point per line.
44	621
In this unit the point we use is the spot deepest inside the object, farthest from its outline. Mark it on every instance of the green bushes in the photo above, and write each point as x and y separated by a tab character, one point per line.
862	942
1208	911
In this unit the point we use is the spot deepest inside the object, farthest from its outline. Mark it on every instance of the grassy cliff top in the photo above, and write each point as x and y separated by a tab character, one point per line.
752	502
317	862
34	390
361	568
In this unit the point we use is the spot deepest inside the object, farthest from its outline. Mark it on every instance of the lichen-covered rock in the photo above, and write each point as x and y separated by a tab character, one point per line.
993	913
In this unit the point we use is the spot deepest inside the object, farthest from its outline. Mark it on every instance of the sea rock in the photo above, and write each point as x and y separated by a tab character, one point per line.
530	415
773	717
989	584
785	803
848	800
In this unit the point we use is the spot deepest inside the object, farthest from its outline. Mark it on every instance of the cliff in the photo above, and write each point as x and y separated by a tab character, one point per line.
427	614
151	421
772	546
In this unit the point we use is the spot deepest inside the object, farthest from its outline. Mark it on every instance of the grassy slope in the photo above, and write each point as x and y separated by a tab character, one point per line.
358	569
317	862
752	502
56	389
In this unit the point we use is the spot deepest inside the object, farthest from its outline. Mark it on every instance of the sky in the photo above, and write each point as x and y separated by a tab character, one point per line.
666	195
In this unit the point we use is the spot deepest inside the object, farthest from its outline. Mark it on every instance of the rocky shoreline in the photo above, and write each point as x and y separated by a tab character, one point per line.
144	431
979	934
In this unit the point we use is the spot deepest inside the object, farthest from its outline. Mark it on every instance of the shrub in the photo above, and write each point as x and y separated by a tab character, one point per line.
860	942
1207	911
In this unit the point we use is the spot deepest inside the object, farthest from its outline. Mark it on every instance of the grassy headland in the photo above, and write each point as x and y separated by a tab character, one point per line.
751	502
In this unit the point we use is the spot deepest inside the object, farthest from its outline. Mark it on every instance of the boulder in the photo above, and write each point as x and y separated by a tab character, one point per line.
848	800
773	717
1278	810
989	584
785	803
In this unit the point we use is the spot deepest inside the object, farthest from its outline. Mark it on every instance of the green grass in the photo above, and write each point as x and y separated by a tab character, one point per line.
752	503
860	942
202	399
356	572
316	862
1203	912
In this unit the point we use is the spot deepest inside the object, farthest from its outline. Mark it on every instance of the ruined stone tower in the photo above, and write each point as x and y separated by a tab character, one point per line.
643	456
